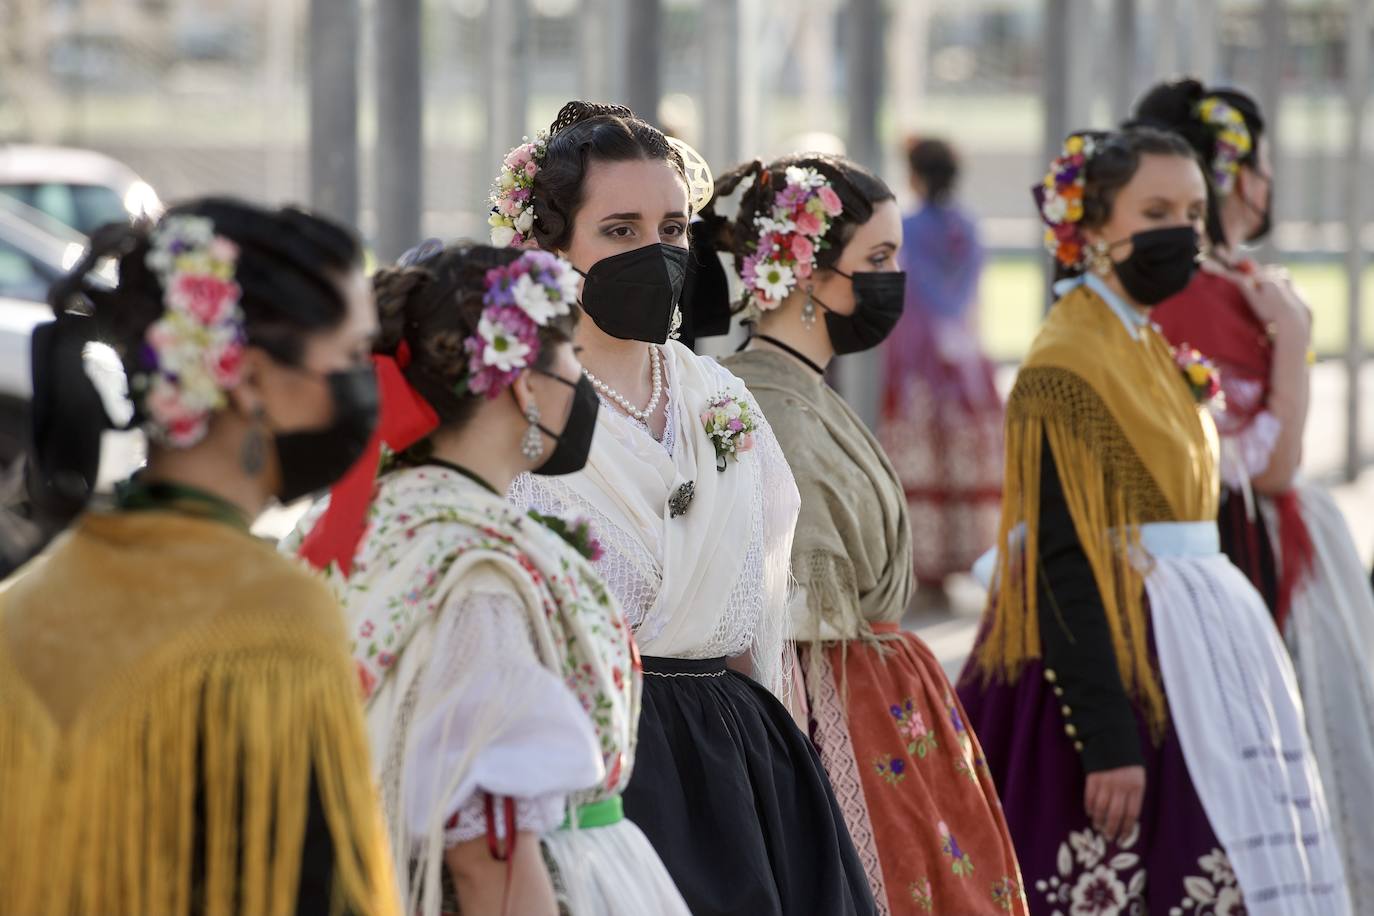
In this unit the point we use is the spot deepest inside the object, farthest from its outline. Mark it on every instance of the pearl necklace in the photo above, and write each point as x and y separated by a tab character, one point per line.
655	369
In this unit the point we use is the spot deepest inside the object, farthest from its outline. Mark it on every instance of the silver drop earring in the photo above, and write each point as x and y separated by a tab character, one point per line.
532	443
808	315
675	325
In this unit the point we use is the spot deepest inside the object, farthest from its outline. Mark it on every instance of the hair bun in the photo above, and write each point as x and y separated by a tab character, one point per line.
578	111
396	289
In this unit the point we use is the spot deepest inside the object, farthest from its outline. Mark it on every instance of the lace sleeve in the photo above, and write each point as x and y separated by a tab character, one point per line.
491	719
630	571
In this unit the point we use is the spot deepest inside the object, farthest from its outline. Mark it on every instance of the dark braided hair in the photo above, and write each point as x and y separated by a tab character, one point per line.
586	132
859	190
290	268
433	307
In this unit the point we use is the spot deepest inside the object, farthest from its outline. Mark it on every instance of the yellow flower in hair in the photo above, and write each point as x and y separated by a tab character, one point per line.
1199	374
1075	211
1073	145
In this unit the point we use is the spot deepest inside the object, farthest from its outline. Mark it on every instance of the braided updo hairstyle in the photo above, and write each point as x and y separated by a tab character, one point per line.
289	269
586	132
1113	166
433	308
859	190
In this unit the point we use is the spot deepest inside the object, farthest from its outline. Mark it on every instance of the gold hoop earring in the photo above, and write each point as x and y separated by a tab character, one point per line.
1101	258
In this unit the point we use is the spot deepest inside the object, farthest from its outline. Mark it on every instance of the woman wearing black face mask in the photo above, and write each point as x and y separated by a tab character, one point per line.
501	683
1126	671
176	672
1285	534
871	689
696	507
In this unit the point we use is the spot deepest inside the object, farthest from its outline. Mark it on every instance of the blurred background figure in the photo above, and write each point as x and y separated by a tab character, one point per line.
941	417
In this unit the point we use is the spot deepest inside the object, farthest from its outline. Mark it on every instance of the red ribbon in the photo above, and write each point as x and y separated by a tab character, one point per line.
405	418
1297	553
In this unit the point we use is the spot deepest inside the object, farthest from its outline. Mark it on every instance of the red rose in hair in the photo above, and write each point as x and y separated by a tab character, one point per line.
208	299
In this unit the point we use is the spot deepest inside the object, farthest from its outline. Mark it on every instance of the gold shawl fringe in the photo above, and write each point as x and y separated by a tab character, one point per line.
1108	490
135	718
101	818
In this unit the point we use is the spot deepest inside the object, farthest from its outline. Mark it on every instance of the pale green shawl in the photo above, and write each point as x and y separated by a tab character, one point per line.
852	551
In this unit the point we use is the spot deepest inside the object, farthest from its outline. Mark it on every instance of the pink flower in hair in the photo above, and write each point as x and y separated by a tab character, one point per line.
803	249
831	200
809	223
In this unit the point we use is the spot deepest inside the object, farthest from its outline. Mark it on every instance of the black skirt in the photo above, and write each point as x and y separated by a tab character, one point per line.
733	797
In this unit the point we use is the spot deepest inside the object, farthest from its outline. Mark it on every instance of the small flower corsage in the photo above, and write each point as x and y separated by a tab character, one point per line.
1200	373
578	534
729	423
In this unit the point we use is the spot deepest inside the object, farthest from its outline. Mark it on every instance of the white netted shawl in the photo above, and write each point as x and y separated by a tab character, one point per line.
714	581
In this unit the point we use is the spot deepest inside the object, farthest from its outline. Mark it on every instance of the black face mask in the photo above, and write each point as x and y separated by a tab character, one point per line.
1162	262
879	297
632	295
574	444
312	460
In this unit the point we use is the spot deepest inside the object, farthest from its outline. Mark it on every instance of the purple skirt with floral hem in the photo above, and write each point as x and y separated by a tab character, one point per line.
1173	864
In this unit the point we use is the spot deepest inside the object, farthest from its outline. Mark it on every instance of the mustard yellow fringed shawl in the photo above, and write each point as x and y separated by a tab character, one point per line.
145	658
1131	446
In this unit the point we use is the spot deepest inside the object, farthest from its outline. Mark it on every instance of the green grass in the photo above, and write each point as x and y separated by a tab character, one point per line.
1012	297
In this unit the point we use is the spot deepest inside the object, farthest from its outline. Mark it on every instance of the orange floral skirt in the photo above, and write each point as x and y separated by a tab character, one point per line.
910	778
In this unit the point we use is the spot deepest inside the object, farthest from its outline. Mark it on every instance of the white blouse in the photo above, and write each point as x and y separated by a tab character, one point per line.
756	605
525	731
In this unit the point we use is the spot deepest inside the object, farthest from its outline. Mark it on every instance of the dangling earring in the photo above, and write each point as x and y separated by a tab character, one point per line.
532	443
808	316
675	325
1101	258
253	453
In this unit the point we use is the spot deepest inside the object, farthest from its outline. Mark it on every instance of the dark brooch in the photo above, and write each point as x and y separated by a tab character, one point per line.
681	500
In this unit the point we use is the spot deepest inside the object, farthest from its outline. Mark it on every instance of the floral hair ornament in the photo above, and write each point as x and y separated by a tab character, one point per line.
1060	199
512	194
790	233
520	298
1232	144
193	353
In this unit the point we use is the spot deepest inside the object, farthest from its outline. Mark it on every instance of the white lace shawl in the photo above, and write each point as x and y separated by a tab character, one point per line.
726	562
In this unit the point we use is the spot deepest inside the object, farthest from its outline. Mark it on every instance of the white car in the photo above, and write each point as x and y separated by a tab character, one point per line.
81	188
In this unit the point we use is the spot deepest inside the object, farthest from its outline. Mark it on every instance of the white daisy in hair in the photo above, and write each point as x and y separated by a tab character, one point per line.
503	349
773	280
